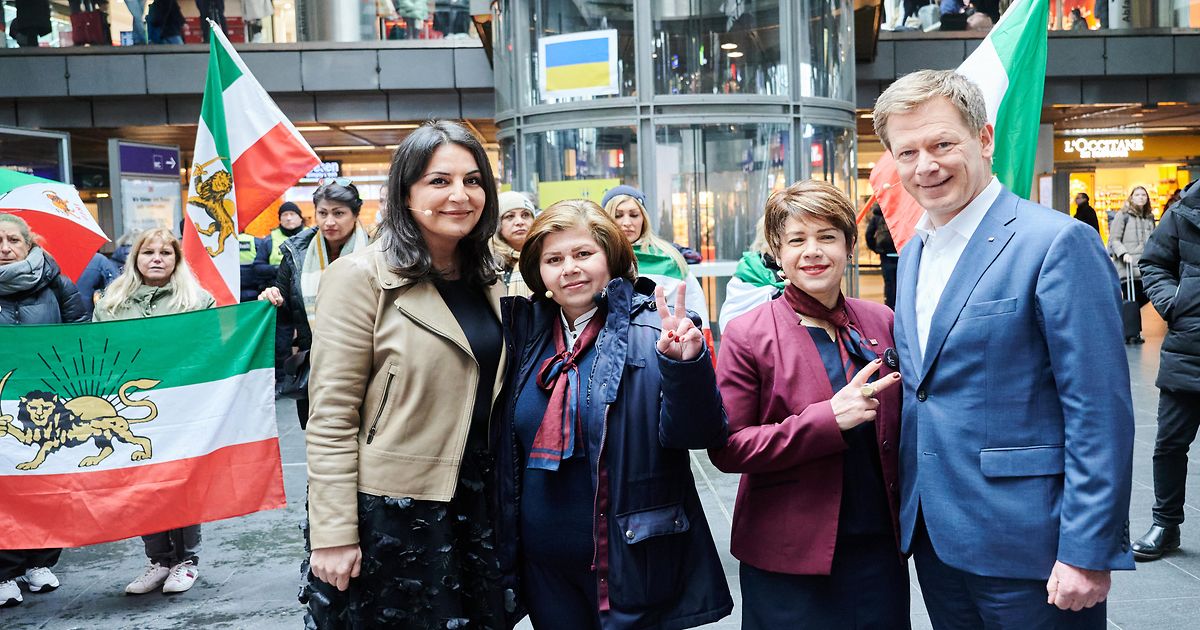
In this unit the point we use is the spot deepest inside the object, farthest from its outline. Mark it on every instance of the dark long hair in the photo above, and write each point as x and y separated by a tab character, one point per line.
403	245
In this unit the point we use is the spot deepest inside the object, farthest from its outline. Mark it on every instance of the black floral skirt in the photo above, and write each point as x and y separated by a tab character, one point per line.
426	564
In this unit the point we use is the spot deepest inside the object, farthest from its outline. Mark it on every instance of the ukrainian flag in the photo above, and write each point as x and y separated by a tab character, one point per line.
580	61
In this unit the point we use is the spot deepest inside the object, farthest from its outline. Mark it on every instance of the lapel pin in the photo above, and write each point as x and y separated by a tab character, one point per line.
873	342
991	238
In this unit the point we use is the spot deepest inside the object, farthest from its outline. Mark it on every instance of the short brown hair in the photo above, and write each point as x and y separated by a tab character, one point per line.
809	199
573	213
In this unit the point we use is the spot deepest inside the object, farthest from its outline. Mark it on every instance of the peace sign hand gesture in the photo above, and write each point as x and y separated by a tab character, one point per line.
680	339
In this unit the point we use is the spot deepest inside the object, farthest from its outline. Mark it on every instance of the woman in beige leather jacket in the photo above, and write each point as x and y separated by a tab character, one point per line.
407	361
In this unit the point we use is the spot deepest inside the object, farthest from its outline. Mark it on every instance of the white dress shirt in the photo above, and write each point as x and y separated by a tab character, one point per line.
943	248
572	332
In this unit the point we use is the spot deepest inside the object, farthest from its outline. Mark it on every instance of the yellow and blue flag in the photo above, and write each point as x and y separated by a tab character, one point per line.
579	64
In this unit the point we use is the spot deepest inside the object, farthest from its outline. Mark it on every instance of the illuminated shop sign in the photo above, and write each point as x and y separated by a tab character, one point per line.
1090	148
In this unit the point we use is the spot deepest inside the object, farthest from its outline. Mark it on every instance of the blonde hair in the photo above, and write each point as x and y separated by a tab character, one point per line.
186	294
506	256
647	238
811	199
918	88
31	239
576	213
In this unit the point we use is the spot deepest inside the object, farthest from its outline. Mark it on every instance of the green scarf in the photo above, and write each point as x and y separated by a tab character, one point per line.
652	262
751	270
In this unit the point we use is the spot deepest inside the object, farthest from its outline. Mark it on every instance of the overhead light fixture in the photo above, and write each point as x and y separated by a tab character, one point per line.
735	55
312	128
388	127
356	147
102	195
728	46
867	116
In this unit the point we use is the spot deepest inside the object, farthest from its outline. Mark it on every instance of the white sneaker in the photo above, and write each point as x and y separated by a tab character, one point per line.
151	579
10	594
40	579
182	577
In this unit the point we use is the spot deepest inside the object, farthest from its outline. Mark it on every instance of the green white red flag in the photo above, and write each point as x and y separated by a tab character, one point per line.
106	432
247	154
54	212
1009	66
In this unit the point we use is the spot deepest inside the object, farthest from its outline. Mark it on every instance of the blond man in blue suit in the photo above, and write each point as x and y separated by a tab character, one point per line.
1017	429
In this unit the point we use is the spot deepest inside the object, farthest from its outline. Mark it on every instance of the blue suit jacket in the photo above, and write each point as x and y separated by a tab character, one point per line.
1017	428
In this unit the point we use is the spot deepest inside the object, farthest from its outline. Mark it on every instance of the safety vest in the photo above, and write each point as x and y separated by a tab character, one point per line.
246	248
277	239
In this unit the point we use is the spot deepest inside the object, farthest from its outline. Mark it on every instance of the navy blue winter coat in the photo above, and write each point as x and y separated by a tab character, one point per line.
657	566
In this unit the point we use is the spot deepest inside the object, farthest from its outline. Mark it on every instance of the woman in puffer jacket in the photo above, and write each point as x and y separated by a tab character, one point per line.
1127	235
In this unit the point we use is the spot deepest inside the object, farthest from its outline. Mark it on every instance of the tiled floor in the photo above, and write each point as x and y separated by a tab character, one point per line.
249	566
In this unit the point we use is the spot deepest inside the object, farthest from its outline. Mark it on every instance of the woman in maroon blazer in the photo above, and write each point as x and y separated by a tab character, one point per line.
814	419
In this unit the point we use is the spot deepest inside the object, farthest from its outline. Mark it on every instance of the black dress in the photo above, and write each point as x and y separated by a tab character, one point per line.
429	564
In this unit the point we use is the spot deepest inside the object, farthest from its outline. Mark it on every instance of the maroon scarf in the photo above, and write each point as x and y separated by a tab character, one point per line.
838	316
557	436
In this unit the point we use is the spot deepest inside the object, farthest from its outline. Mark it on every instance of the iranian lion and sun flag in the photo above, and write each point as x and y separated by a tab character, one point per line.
116	429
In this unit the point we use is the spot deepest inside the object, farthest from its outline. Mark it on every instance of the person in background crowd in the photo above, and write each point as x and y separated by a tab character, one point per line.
1085	212
879	240
1016	393
408	359
32	21
159	282
98	274
253	254
657	259
164	22
1169	267
516	215
32	291
602	522
211	10
137	11
755	280
306	256
291	223
1078	23
1172	200
121	249
812	430
1127	236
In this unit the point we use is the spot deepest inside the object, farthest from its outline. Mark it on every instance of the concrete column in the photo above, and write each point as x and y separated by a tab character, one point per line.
335	21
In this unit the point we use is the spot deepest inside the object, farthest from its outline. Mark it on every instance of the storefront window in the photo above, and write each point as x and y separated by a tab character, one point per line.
508	161
713	183
717	47
502	56
827	51
577	71
829	155
580	163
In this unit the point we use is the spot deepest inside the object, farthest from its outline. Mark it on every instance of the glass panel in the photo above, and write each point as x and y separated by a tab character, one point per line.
508	161
713	182
717	47
503	57
580	163
829	155
827	49
563	17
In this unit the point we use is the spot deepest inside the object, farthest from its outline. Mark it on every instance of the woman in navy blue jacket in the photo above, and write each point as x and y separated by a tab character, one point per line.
600	521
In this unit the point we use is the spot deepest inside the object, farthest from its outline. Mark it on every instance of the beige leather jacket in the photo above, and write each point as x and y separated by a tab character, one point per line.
391	391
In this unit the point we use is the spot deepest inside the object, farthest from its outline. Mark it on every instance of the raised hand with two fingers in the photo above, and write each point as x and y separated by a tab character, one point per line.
680	339
855	403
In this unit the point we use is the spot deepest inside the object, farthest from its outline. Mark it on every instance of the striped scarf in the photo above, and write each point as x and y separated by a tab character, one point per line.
559	432
849	339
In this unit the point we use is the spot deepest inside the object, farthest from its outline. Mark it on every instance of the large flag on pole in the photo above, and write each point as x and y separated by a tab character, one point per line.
107	432
247	154
53	211
1010	68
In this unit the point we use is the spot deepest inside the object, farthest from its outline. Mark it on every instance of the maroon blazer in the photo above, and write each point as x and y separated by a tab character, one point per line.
785	441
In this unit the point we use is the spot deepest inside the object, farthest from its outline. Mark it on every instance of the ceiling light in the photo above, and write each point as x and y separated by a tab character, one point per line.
867	116
728	46
356	147
379	127
313	128
735	55
102	195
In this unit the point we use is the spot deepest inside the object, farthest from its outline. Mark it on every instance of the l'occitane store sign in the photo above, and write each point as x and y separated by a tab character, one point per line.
1126	148
1090	148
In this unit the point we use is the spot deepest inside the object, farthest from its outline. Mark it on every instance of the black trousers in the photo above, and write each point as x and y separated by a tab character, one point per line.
888	265
560	597
1178	419
15	562
302	412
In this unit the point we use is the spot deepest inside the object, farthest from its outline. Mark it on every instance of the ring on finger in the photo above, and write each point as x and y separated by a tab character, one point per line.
867	391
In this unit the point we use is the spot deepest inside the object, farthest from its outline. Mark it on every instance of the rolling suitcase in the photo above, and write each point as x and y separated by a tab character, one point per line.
1131	313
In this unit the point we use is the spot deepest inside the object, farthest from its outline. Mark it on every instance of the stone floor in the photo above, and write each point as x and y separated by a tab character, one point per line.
249	566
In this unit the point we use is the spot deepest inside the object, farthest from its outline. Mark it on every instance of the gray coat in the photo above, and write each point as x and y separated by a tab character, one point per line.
53	299
1127	234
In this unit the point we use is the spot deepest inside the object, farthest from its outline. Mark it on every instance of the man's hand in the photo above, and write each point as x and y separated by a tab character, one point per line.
1072	588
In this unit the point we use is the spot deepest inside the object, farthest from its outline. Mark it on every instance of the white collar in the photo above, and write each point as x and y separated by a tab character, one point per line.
580	323
967	221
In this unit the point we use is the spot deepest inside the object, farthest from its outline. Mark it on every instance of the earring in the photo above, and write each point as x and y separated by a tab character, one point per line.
549	294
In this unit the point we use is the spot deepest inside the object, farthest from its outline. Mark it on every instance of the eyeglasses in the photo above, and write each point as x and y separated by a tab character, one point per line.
340	181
